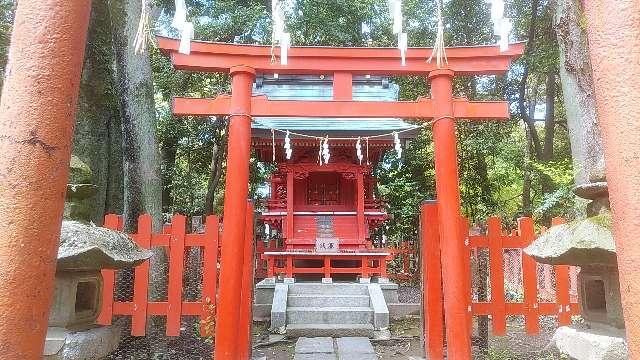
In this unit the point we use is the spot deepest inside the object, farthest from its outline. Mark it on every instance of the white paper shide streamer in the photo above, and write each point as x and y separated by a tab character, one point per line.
185	27
398	145
501	26
279	36
325	150
359	151
439	50
287	146
395	9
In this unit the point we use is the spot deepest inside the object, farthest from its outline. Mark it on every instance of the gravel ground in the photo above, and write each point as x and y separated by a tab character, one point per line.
409	294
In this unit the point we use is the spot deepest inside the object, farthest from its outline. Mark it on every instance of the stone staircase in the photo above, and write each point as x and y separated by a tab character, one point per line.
338	309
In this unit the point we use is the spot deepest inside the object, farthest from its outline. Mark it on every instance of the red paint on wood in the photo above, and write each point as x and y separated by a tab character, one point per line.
176	268
362	236
342	86
141	278
246	299
422	108
526	231
496	276
235	207
447	188
108	279
218	57
432	306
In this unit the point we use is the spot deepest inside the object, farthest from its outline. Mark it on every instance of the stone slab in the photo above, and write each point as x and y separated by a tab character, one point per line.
379	305
279	308
354	345
314	345
601	343
315	356
349	356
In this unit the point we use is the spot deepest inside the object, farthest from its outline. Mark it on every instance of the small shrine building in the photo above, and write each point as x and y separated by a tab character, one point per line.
325	212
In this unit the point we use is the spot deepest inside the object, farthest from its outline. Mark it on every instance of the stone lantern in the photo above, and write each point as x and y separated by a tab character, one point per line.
589	244
84	251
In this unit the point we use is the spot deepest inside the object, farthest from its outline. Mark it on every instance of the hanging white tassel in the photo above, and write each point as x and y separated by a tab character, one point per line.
285	44
438	48
501	26
185	39
398	145
402	45
180	16
325	150
287	146
395	9
503	30
497	9
359	151
279	36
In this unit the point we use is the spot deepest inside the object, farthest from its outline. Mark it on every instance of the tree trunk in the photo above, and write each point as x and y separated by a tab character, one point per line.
577	90
141	158
217	159
97	112
549	119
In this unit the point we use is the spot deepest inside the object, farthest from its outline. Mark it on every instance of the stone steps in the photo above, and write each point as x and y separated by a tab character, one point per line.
328	289
329	315
332	330
304	300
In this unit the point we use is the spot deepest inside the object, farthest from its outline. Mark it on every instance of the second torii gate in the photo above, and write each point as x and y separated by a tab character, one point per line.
243	61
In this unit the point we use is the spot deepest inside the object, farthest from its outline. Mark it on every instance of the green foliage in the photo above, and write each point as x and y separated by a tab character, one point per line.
7	9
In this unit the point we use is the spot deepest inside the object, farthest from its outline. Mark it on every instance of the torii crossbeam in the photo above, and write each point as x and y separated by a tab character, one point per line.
243	61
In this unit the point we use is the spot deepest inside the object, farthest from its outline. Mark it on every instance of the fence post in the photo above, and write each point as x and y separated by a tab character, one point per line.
464	235
111	221
529	277
432	305
246	300
210	268
496	277
176	269
141	278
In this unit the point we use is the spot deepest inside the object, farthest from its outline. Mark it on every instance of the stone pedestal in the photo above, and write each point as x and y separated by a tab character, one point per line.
597	343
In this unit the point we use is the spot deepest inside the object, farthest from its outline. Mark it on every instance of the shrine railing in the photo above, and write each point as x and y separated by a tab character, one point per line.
290	263
176	243
404	262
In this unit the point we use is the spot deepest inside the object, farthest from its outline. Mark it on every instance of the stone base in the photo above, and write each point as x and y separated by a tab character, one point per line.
598	343
96	343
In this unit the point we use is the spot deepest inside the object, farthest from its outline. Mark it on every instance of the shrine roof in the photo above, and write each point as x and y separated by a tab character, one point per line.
310	87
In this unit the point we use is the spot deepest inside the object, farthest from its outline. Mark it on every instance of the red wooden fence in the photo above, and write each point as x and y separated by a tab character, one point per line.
496	241
175	240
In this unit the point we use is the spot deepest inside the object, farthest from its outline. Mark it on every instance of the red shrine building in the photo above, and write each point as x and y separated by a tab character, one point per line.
325	213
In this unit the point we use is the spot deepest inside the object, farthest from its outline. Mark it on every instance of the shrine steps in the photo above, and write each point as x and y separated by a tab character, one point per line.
330	330
335	309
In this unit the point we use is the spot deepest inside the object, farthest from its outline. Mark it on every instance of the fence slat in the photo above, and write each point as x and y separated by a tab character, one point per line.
176	269
141	279
210	260
563	298
529	277
112	222
464	236
496	277
432	304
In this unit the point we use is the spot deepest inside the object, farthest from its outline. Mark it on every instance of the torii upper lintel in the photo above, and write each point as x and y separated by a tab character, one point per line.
221	57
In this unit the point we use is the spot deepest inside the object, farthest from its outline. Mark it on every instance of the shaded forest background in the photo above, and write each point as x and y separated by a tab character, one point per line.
144	159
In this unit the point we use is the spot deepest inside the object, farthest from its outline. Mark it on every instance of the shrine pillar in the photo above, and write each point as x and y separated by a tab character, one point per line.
448	200
36	127
614	49
235	212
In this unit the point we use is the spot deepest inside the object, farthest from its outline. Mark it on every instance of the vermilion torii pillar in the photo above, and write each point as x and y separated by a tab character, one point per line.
343	63
37	113
235	212
614	49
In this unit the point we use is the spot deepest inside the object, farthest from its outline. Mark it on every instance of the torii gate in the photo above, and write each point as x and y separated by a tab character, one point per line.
243	61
